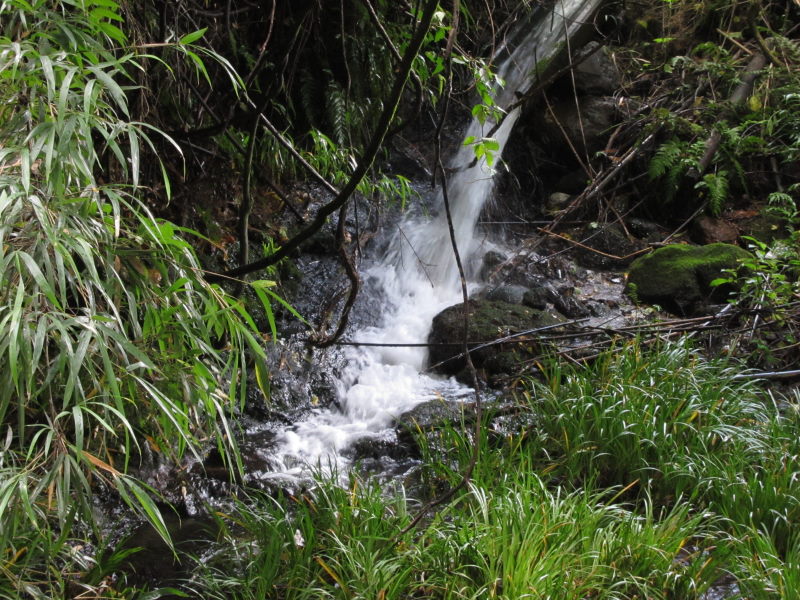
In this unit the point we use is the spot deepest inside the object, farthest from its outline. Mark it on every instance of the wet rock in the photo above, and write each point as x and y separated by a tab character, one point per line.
678	276
597	75
376	448
488	320
434	414
301	378
586	125
566	303
152	561
710	230
491	261
612	245
537	297
513	294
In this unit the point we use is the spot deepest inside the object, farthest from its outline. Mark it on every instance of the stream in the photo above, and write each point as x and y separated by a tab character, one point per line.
416	278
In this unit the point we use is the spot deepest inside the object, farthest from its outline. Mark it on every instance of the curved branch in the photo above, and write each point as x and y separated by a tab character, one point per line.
352	275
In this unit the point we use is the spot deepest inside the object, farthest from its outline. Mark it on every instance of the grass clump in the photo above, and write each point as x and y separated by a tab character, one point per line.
652	416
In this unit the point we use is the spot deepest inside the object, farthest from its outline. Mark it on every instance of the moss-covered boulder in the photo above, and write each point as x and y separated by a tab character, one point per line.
488	320
678	277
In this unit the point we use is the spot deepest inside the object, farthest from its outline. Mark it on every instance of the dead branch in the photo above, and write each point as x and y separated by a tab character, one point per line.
739	95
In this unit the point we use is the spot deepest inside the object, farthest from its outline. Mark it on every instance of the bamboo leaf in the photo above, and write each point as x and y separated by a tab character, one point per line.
192	37
50	78
39	278
112	87
25	169
13	333
142	502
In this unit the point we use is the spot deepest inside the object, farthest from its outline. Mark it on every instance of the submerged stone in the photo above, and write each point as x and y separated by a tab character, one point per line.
678	277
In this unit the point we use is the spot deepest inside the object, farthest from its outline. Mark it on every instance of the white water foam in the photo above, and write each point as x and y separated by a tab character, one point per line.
419	279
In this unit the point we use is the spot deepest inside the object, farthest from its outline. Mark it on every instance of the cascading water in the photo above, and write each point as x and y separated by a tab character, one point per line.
418	279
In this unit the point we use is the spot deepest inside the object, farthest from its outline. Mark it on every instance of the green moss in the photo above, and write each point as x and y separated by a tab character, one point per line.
679	276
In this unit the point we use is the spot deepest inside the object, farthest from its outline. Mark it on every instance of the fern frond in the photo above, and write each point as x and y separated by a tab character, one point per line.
309	97
336	112
666	158
716	185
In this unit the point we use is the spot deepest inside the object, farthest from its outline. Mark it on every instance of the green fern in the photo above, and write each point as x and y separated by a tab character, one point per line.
666	158
309	97
716	186
672	161
336	112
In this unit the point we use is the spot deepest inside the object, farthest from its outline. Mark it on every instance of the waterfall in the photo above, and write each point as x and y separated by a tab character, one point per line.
418	278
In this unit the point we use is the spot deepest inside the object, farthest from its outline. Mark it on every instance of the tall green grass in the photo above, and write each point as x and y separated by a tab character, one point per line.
651	474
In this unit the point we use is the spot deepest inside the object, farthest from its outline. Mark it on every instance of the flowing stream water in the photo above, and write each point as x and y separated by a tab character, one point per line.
417	278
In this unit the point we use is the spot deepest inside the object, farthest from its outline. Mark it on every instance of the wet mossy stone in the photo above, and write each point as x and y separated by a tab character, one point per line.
488	320
678	277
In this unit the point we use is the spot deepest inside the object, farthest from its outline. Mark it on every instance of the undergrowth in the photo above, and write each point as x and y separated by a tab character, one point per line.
651	474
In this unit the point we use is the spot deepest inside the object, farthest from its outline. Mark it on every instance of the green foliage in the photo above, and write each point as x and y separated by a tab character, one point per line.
753	142
770	285
634	415
716	187
672	161
484	148
111	338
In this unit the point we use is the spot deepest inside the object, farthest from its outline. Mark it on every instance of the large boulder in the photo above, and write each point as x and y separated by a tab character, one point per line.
488	320
598	74
678	277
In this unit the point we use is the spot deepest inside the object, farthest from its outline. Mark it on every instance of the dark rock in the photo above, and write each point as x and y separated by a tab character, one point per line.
678	277
610	241
566	303
589	122
488	320
152	561
597	75
376	448
647	230
433	414
537	297
408	160
573	182
491	260
763	227
513	294
710	230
